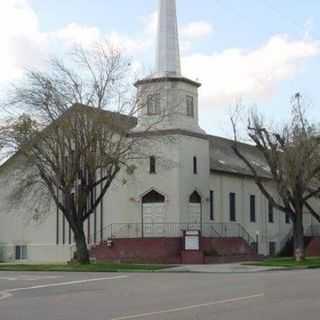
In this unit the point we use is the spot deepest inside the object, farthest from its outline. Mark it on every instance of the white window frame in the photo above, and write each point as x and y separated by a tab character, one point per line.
190	106
153	104
23	252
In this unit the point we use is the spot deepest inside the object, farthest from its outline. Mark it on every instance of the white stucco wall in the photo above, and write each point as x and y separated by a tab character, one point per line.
174	179
173	106
243	187
22	225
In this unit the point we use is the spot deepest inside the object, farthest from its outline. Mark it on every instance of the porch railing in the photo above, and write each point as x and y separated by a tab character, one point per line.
313	231
172	230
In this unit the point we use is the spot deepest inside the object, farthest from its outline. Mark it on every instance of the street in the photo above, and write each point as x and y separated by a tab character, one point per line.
154	296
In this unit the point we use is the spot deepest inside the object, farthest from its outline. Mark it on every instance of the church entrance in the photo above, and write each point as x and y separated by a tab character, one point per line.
153	214
195	210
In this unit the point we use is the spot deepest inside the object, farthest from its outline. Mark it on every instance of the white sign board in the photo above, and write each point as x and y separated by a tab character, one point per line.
192	241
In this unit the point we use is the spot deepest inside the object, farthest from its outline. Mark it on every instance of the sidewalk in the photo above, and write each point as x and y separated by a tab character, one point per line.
221	268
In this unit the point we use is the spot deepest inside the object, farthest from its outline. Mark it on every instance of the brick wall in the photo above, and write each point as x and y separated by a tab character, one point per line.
226	247
192	257
170	251
313	249
152	250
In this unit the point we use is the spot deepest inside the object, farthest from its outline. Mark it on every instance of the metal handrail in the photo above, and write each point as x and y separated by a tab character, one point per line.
246	236
313	231
172	229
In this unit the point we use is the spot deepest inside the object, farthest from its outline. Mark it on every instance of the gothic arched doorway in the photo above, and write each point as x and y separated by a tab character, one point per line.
195	209
153	213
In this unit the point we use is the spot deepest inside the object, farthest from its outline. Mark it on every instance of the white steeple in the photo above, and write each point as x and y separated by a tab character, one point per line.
167	100
167	54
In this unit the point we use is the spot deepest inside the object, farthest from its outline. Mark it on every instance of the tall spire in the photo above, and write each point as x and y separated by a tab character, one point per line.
168	54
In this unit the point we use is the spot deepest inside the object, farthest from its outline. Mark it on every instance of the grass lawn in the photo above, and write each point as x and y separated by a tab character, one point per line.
93	267
289	263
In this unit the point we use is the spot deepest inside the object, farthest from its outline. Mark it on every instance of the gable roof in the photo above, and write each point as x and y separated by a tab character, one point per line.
118	121
222	157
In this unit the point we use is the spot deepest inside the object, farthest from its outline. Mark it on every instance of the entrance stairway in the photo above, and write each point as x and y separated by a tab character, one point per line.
220	243
170	251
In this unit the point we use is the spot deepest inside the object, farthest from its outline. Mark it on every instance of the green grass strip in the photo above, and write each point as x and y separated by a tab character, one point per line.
93	267
313	262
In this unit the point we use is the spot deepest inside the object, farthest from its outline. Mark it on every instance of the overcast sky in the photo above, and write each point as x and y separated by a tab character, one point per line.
258	51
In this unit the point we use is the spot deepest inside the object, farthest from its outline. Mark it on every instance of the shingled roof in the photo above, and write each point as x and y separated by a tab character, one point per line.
223	159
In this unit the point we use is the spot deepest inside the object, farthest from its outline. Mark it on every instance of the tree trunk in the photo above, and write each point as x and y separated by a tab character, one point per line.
298	236
82	254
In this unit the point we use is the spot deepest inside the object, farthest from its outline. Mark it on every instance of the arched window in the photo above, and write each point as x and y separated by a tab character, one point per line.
195	197
153	197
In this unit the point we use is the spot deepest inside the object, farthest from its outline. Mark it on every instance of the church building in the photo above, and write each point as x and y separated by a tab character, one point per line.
190	200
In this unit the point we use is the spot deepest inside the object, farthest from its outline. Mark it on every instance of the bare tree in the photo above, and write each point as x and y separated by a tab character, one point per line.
64	131
292	156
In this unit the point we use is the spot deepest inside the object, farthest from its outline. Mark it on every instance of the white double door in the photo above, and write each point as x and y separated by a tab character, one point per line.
194	215
154	218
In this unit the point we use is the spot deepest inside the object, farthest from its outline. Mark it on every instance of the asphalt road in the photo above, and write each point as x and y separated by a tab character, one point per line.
159	296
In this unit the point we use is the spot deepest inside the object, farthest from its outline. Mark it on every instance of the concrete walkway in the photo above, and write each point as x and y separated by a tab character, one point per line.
221	268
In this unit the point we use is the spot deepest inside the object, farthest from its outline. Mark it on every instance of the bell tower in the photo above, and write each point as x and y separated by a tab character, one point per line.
166	99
